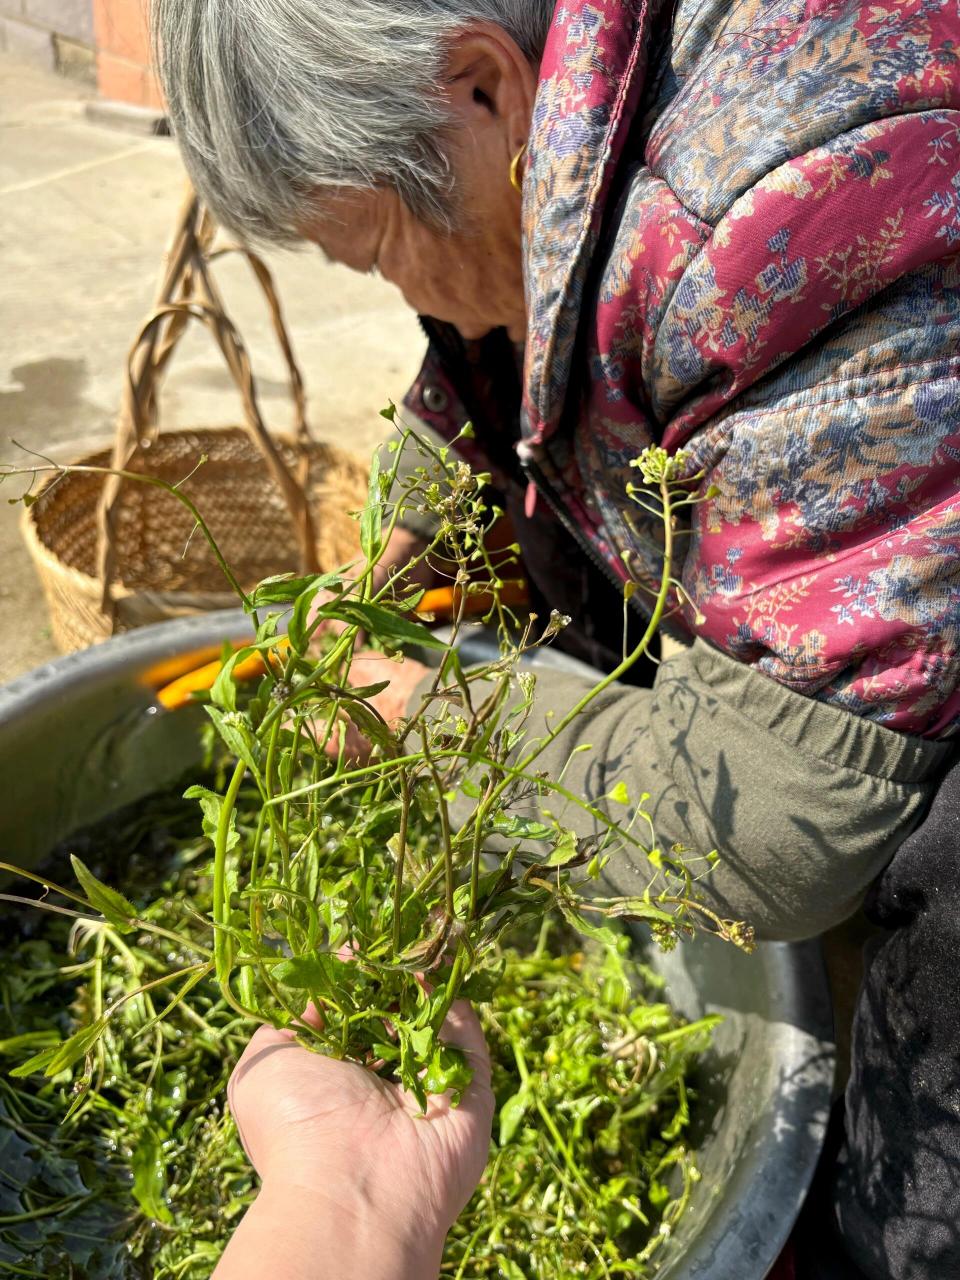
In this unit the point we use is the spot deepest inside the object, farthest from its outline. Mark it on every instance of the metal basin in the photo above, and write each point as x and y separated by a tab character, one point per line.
83	736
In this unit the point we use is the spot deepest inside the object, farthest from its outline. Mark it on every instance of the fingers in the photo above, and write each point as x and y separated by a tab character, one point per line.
462	1030
311	1016
264	1041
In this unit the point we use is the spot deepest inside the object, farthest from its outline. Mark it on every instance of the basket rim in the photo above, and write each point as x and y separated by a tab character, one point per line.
49	561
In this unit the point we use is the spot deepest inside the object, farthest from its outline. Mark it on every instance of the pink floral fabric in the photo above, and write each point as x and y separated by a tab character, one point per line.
742	232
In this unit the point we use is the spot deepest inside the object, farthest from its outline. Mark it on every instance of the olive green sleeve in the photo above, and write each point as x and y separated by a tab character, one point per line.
804	803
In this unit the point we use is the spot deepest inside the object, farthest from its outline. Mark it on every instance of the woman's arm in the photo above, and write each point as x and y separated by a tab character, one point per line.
356	1182
297	1232
804	803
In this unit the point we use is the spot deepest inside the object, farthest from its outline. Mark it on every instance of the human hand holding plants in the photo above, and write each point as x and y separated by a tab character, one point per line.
356	1179
402	549
369	669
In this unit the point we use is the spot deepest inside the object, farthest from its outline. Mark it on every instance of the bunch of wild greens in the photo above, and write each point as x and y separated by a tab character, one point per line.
589	1168
357	876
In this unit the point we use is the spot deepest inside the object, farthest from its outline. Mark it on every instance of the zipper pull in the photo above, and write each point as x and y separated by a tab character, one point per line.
526	453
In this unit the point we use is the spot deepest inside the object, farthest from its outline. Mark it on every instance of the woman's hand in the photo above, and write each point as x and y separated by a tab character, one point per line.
356	1182
392	704
402	548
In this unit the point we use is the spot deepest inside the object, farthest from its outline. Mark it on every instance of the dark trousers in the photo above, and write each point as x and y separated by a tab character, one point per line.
886	1202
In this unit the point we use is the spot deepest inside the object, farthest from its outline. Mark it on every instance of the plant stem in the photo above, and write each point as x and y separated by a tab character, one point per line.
401	860
222	942
476	854
639	650
448	858
167	488
594	692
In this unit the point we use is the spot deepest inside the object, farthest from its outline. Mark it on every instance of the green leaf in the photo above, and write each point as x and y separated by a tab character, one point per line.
52	1061
113	906
34	1064
600	932
237	733
658	1194
211	804
411	1068
410	601
367	691
77	1047
509	1269
322	972
371	726
448	1070
149	1177
482	984
285	588
268	628
521	828
564	851
300	625
371	518
44	1040
390	629
512	1113
223	691
420	1038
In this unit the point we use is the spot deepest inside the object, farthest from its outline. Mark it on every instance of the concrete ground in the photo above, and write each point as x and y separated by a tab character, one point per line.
85	213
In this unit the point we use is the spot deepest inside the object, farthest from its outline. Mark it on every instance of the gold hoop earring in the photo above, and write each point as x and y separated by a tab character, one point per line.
515	180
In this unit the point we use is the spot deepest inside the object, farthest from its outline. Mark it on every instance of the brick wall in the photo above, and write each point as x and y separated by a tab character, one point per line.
123	52
103	41
54	34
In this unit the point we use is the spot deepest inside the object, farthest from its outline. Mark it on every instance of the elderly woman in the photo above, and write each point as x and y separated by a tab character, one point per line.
732	228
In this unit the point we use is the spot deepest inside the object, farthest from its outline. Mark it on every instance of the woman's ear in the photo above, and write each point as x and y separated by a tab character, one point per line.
491	84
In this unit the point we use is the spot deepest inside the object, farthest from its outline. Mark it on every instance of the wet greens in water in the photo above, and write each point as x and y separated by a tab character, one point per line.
147	1177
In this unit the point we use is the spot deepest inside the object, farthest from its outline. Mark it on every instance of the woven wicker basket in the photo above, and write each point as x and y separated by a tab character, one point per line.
114	554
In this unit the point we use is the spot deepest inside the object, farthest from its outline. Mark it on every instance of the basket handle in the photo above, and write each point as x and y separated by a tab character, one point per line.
264	278
137	426
187	291
192	236
187	260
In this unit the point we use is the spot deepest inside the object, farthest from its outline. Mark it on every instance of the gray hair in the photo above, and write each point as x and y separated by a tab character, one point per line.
275	101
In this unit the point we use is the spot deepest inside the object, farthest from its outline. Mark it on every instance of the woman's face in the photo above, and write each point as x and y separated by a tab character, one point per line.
472	276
